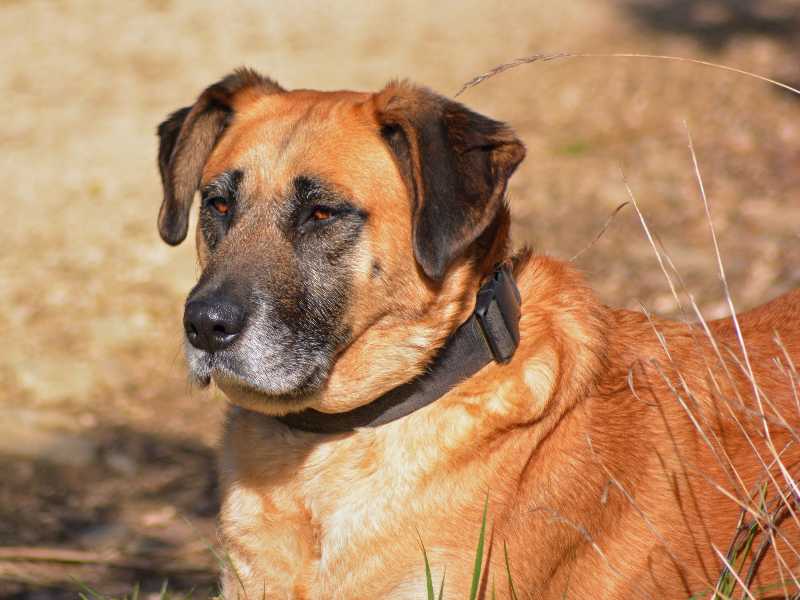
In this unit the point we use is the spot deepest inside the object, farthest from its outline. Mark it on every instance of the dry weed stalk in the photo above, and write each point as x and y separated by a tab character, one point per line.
545	57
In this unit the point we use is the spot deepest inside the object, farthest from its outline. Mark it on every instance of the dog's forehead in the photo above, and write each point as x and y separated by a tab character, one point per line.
275	138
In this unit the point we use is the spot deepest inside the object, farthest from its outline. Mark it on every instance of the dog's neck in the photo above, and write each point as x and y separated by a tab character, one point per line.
491	333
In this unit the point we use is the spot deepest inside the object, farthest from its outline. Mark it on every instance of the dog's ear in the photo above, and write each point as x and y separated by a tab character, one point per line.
455	163
187	138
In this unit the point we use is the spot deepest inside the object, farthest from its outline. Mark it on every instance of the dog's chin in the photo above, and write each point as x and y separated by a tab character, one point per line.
272	390
266	402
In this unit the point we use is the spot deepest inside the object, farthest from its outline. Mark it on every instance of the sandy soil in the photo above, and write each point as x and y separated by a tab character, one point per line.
105	449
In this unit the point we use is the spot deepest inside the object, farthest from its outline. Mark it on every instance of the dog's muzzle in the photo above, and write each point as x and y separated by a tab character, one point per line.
247	346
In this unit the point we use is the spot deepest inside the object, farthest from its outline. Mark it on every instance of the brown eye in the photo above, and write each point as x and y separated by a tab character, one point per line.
320	214
220	205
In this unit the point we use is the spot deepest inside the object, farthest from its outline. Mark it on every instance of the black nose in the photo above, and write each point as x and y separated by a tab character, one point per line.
212	323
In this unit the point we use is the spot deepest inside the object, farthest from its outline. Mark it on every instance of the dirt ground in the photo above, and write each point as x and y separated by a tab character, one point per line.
106	451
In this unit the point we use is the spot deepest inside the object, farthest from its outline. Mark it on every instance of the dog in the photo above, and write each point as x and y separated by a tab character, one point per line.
396	375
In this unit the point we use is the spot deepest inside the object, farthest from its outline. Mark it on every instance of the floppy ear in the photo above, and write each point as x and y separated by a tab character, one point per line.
187	138
455	163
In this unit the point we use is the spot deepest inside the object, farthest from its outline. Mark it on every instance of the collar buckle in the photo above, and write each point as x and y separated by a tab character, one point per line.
497	309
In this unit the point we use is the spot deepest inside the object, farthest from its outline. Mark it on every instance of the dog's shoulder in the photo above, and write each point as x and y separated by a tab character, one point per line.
564	336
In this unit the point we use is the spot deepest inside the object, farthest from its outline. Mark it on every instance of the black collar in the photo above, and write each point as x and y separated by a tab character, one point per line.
491	333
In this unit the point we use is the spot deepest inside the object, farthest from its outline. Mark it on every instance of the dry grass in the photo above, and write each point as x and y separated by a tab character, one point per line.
762	515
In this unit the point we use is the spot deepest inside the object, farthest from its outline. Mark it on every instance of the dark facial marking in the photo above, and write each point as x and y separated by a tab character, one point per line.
296	291
323	226
315	205
218	207
376	269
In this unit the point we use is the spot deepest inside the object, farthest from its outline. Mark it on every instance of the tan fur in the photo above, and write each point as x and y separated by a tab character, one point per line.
613	491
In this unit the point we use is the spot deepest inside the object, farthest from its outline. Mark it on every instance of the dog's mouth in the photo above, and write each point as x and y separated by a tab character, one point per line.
270	378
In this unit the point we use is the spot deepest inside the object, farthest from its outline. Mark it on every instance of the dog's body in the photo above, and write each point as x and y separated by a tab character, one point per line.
343	238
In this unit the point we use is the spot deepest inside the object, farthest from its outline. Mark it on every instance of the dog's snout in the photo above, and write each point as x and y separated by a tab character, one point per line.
213	323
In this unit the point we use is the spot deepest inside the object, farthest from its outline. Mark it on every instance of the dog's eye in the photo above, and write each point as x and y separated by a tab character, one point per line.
219	204
321	213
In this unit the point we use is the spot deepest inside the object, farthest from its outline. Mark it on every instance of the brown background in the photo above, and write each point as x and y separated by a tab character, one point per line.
104	445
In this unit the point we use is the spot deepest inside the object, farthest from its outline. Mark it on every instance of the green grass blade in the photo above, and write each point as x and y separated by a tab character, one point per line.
774	585
428	578
135	591
508	568
86	588
750	537
441	589
476	573
731	580
701	594
569	574
200	535
235	572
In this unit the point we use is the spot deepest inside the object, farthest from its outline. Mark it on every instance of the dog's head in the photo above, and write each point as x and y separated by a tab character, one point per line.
342	235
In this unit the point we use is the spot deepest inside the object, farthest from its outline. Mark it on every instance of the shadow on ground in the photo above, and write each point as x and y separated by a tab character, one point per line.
119	515
714	23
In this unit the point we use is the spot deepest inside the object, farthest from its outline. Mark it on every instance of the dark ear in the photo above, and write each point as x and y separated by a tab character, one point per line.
455	163
187	138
